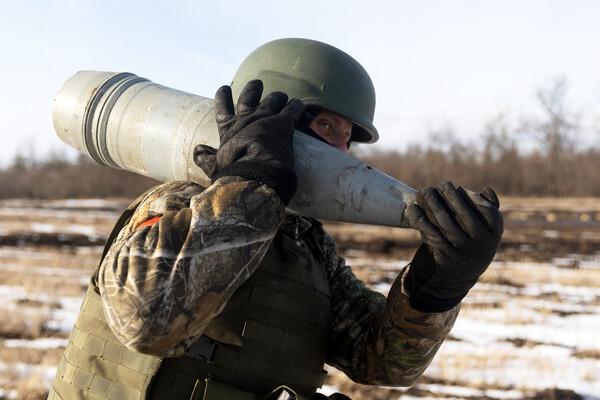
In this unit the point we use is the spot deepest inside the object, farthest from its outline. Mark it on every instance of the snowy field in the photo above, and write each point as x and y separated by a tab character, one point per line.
529	330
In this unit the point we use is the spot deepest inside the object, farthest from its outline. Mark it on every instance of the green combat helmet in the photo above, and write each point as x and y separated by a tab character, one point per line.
318	74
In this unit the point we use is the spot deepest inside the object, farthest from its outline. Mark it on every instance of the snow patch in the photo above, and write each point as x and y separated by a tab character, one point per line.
502	364
461	391
42	228
59	214
40	344
61	319
78	229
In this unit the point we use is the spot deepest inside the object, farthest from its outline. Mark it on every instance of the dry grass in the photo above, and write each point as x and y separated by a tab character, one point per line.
371	247
57	285
594	353
34	271
53	257
551	203
32	388
420	389
23	325
31	356
20	223
357	391
518	276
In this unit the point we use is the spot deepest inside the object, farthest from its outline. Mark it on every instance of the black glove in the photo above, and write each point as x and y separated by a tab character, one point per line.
256	143
461	232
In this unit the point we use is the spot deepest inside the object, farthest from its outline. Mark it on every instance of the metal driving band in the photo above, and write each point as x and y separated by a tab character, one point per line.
105	114
88	137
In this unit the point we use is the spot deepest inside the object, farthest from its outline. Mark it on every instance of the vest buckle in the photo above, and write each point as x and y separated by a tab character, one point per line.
203	348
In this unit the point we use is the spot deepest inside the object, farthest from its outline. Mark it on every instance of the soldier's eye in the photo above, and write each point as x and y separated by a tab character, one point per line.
324	125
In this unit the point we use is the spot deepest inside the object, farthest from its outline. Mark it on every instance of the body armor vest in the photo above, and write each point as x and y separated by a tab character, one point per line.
274	331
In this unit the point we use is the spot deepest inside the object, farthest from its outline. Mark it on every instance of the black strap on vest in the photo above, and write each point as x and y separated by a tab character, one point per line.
203	348
273	331
271	290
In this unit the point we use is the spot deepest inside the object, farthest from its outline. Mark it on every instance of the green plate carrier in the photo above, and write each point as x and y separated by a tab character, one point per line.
273	332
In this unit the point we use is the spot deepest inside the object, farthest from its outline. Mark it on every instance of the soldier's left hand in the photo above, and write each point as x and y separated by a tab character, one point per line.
461	231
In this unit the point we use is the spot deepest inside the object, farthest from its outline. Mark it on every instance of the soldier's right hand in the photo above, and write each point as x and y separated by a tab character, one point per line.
255	142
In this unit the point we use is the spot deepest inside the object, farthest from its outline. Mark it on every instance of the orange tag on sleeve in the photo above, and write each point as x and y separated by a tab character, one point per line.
149	222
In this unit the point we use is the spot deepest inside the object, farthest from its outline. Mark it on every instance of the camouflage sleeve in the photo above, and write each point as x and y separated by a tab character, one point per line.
375	340
162	284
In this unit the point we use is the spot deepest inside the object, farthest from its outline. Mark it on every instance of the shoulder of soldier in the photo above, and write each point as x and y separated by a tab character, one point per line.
170	196
321	233
327	245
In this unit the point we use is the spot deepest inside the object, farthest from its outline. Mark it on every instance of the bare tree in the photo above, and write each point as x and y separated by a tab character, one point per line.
556	132
501	161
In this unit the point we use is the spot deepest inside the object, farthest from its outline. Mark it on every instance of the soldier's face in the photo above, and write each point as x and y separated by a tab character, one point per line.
334	128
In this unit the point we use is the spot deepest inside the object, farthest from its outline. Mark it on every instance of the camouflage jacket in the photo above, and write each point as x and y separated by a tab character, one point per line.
161	284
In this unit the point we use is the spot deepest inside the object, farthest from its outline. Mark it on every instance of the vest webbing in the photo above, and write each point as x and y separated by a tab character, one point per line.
95	365
273	331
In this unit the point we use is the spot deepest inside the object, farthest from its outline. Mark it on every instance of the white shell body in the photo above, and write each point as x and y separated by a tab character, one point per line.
124	121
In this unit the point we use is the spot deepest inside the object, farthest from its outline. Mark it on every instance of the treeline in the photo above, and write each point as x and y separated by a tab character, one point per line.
57	177
555	162
553	165
506	169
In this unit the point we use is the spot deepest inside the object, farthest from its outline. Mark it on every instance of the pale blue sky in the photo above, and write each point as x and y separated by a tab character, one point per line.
432	62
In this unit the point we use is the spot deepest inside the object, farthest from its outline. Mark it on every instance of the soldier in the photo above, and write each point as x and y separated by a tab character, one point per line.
217	293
